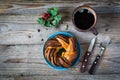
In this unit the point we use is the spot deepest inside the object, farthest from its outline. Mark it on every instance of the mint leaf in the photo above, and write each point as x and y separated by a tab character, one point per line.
50	18
55	23
53	11
47	24
53	19
41	21
55	8
58	18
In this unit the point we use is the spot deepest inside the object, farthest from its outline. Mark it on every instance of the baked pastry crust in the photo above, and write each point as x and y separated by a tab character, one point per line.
61	50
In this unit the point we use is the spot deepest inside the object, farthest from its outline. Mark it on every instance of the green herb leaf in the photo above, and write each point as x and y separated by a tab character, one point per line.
53	11
50	18
47	24
55	8
41	21
53	20
58	18
54	23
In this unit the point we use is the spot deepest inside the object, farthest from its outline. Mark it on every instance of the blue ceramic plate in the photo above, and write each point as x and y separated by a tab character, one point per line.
59	67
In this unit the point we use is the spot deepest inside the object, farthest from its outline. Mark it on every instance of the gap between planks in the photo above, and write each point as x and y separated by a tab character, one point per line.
28	60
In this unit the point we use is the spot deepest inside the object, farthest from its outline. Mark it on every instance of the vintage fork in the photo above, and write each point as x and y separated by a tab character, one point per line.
102	49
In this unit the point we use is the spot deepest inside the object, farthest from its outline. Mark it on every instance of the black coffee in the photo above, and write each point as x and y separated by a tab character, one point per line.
84	19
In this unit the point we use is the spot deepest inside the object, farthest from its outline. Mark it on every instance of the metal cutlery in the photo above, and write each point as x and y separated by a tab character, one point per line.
87	55
102	49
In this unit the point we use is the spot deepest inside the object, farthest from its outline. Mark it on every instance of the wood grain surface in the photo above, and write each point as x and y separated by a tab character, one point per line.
22	39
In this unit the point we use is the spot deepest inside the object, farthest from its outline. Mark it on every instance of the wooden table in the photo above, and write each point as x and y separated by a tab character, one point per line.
22	39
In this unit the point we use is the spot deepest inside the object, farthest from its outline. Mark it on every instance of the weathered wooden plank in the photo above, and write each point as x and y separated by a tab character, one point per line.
68	77
23	29
25	62
51	1
37	8
76	77
6	78
28	60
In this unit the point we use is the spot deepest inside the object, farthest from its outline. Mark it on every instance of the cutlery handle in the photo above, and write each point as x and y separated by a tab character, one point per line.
91	71
85	61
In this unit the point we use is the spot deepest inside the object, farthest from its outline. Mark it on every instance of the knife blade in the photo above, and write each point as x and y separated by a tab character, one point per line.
87	55
102	50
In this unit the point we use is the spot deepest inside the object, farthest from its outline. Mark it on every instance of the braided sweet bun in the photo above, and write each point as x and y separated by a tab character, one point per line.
61	50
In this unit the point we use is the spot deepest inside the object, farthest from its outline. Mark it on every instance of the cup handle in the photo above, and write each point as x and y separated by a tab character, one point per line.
95	32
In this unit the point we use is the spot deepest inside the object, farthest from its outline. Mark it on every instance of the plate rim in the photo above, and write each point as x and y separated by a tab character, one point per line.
62	68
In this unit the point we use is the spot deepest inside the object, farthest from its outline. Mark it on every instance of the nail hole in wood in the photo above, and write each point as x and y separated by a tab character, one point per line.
21	75
42	39
38	30
29	36
106	30
109	4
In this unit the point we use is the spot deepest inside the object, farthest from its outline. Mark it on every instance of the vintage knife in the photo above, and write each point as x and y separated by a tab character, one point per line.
102	49
87	55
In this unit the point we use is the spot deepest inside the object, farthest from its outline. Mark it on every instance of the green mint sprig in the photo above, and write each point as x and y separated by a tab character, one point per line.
53	20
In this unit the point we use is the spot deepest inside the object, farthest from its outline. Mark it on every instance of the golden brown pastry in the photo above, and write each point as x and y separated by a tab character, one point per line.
61	50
